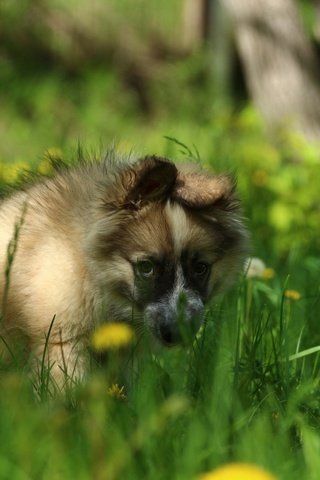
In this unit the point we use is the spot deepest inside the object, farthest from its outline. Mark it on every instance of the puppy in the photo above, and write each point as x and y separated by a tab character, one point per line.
115	240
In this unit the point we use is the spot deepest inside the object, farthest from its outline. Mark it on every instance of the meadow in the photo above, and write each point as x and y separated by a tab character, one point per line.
247	389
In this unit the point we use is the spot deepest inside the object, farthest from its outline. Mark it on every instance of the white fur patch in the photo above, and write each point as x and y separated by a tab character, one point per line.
180	226
178	286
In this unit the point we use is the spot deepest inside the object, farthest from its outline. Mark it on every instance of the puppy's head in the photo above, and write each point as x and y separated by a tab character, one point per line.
173	238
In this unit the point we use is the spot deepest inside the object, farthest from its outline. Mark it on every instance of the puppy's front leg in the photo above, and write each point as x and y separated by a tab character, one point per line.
61	364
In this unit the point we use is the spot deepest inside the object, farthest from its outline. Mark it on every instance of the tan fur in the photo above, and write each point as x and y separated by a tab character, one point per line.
81	232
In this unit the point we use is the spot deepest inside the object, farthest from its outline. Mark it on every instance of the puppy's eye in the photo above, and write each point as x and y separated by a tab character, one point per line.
145	268
200	269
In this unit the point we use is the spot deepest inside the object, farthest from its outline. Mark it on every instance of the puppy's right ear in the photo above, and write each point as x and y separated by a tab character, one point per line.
204	192
151	179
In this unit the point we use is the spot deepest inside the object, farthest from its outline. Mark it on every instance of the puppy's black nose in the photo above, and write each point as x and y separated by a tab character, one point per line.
169	334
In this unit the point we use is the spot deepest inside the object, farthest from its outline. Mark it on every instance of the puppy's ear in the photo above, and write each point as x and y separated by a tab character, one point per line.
200	191
152	178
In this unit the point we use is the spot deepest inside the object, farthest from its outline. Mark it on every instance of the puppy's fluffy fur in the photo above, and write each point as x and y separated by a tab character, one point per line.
115	240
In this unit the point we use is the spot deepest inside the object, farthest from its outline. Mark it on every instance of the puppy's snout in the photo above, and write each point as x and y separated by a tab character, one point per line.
169	334
175	325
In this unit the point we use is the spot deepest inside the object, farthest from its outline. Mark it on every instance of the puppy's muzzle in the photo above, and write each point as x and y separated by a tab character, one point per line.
174	324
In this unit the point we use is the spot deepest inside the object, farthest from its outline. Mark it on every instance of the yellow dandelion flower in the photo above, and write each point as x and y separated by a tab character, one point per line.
11	173
45	167
292	294
111	336
54	153
117	392
238	471
255	268
260	178
268	273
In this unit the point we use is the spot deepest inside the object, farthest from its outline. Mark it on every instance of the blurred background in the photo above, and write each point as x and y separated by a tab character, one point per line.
233	83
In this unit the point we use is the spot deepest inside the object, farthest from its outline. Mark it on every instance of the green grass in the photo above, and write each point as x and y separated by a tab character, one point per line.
234	395
243	392
248	388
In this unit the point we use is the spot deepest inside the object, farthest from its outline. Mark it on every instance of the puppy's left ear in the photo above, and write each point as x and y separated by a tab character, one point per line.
152	178
200	191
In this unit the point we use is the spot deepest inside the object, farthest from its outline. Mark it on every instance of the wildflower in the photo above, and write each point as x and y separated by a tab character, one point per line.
238	471
51	155
117	392
292	294
112	336
45	167
268	273
54	153
260	178
255	268
11	173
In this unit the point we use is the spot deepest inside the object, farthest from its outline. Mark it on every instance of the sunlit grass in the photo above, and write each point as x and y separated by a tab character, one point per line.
247	389
241	393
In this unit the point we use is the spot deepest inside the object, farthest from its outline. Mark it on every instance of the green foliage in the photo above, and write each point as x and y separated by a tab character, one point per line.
234	395
248	389
285	179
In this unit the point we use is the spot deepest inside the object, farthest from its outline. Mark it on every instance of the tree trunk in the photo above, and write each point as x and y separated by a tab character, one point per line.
196	19
279	63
